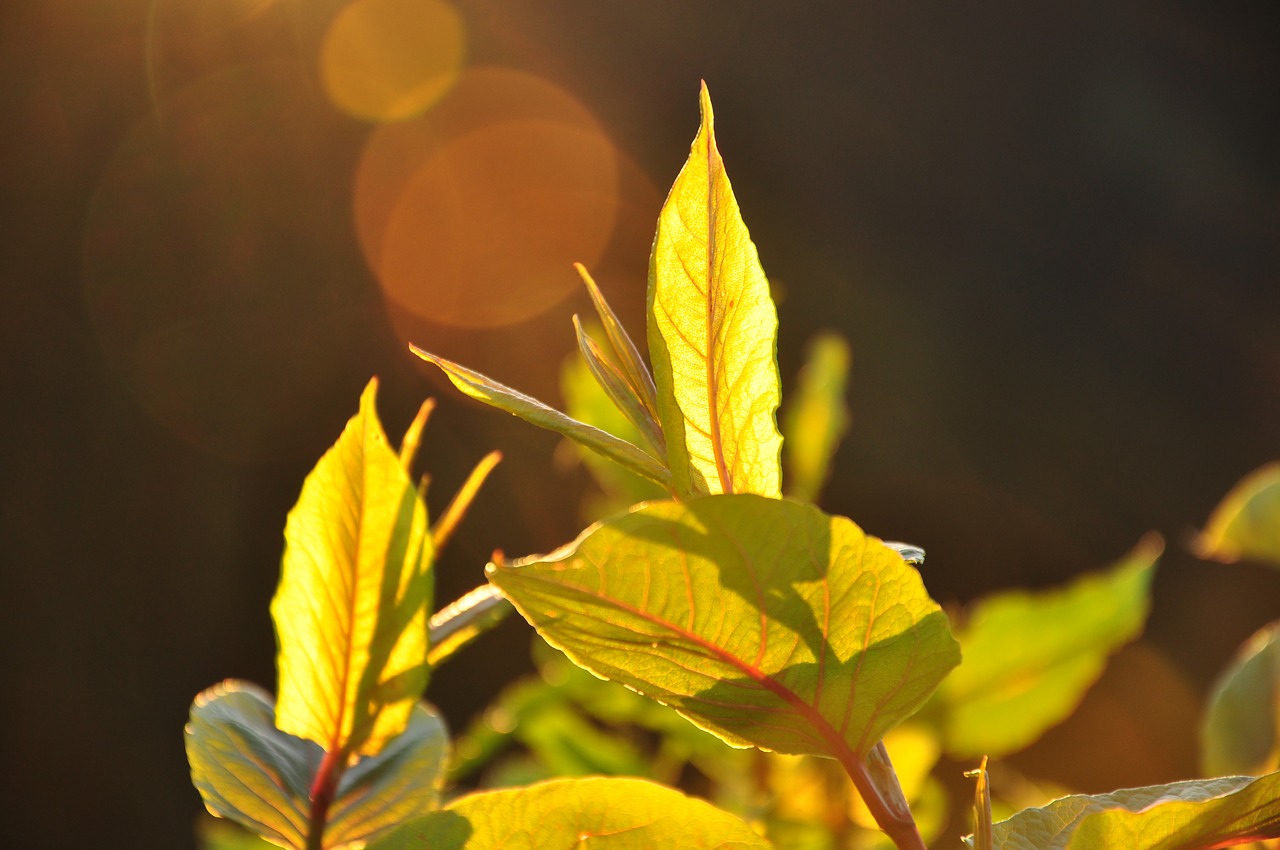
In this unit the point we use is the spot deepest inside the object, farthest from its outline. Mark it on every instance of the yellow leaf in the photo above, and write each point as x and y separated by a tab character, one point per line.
712	335
355	586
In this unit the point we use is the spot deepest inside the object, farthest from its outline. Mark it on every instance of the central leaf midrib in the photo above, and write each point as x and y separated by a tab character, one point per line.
717	440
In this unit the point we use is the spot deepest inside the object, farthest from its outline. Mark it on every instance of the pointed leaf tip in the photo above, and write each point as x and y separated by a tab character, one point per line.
351	670
712	330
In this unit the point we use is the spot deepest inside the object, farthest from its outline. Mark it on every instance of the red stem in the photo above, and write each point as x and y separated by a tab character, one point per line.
891	815
323	790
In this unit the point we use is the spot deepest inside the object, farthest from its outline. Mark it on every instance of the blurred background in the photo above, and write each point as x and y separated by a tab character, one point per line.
1051	235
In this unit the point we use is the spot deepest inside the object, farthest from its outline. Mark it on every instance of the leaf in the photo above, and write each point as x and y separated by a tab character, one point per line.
712	334
249	771
766	622
626	354
586	401
1246	524
1241	732
461	501
535	412
355	587
620	392
816	417
1029	656
603	814
463	620
1199	813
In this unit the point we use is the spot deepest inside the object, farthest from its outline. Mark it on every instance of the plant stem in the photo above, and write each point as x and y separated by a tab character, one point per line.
878	784
323	790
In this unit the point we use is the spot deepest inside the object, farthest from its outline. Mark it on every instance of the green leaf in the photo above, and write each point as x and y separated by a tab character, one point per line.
615	385
1246	524
603	814
628	358
249	771
1200	813
463	620
1030	656
765	622
355	587
816	417
1241	731
712	334
535	412
586	401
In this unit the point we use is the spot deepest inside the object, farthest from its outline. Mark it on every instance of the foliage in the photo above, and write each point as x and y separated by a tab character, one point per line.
799	642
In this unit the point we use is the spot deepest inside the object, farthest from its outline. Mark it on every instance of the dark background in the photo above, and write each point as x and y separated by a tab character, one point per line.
1049	231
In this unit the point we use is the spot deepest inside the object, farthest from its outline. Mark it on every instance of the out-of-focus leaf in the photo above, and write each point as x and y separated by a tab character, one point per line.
464	620
764	621
535	412
355	588
608	814
565	742
1030	656
457	508
249	771
712	334
587	402
815	418
218	834
1241	733
413	434
1246	523
1192	815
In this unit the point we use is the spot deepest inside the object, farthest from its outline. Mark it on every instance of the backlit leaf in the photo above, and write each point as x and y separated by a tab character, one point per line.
355	587
616	386
586	401
249	771
764	621
712	334
598	813
625	352
535	412
1242	726
1246	524
1029	656
1192	815
815	417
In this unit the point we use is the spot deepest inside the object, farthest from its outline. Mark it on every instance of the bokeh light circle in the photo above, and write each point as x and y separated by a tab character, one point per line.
472	215
220	277
387	60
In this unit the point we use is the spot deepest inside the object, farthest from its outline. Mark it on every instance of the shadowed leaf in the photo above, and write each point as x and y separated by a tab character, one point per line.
1030	656
535	412
1246	524
712	334
249	771
351	608
603	814
1193	815
1241	732
765	622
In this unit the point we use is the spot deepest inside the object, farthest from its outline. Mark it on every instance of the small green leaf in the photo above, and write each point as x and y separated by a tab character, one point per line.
355	587
1192	815
462	621
603	814
615	385
586	401
764	621
713	333
535	412
816	417
625	352
1241	731
1029	657
1246	524
249	771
